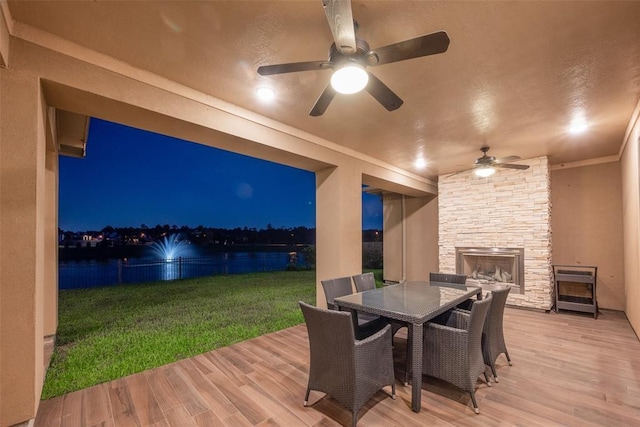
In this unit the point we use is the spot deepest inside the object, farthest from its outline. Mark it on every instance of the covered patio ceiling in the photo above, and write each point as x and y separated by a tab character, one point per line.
515	76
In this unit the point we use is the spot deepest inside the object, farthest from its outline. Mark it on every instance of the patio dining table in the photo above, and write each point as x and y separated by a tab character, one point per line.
414	302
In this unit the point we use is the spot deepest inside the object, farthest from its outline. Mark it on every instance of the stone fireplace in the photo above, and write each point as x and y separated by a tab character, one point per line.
500	227
492	265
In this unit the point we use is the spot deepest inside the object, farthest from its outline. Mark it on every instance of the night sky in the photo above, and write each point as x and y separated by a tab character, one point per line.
131	177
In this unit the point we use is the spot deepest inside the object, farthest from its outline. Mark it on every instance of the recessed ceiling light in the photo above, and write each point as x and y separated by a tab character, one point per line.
265	94
420	163
578	125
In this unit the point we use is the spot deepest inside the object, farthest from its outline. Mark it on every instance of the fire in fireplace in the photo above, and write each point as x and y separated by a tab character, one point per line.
492	265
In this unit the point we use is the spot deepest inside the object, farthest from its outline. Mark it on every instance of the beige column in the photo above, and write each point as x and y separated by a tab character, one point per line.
393	229
630	171
338	225
410	237
51	244
22	215
421	237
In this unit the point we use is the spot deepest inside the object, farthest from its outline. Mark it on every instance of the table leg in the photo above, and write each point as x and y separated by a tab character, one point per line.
416	365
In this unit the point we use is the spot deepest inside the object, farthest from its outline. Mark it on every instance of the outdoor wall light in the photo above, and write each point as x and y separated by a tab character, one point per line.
350	78
484	172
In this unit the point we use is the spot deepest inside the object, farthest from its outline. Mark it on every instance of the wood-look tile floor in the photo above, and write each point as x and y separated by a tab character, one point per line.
568	370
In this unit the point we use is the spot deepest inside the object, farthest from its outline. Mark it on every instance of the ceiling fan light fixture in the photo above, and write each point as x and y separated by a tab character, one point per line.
484	172
350	78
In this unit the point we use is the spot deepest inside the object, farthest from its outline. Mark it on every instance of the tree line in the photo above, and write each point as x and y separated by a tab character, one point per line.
201	235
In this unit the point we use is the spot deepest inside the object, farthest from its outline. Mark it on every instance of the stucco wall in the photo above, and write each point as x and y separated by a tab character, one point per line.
393	246
422	237
51	244
23	206
631	224
338	225
587	225
410	237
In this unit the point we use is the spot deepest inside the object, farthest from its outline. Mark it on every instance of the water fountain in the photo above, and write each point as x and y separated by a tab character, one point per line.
170	248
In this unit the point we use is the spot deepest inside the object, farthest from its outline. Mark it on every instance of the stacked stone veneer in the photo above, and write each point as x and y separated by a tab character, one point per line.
510	209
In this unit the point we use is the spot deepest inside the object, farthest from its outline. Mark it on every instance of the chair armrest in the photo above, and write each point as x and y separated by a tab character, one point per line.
442	329
455	318
374	353
441	319
466	305
378	336
459	319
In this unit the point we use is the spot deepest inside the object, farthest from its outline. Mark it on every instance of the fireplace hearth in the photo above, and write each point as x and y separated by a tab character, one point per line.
492	265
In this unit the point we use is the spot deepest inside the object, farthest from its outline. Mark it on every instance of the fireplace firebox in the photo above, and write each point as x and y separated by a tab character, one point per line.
493	265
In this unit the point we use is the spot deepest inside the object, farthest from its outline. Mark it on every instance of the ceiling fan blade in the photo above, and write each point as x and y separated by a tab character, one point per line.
267	70
507	159
383	94
430	44
511	166
340	20
323	101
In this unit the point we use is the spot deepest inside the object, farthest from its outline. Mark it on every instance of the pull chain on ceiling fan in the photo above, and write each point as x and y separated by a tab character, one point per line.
350	56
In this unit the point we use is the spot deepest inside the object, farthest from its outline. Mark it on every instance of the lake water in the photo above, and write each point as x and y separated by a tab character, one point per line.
88	274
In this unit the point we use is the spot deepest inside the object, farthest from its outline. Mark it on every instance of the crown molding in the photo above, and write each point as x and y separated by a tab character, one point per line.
588	162
632	124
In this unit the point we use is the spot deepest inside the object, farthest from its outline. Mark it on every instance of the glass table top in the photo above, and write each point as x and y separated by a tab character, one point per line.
411	301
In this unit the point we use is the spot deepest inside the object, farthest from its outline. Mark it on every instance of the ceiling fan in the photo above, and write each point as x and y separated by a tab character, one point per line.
484	166
349	56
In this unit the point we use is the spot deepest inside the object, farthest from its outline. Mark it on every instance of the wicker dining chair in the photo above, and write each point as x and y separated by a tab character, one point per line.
351	371
364	282
453	350
454	279
334	288
493	334
367	282
367	324
493	344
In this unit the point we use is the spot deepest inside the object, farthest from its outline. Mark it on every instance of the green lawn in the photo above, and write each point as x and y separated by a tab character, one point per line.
108	333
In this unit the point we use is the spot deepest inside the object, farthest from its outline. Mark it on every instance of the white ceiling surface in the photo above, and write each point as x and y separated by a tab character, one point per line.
513	78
